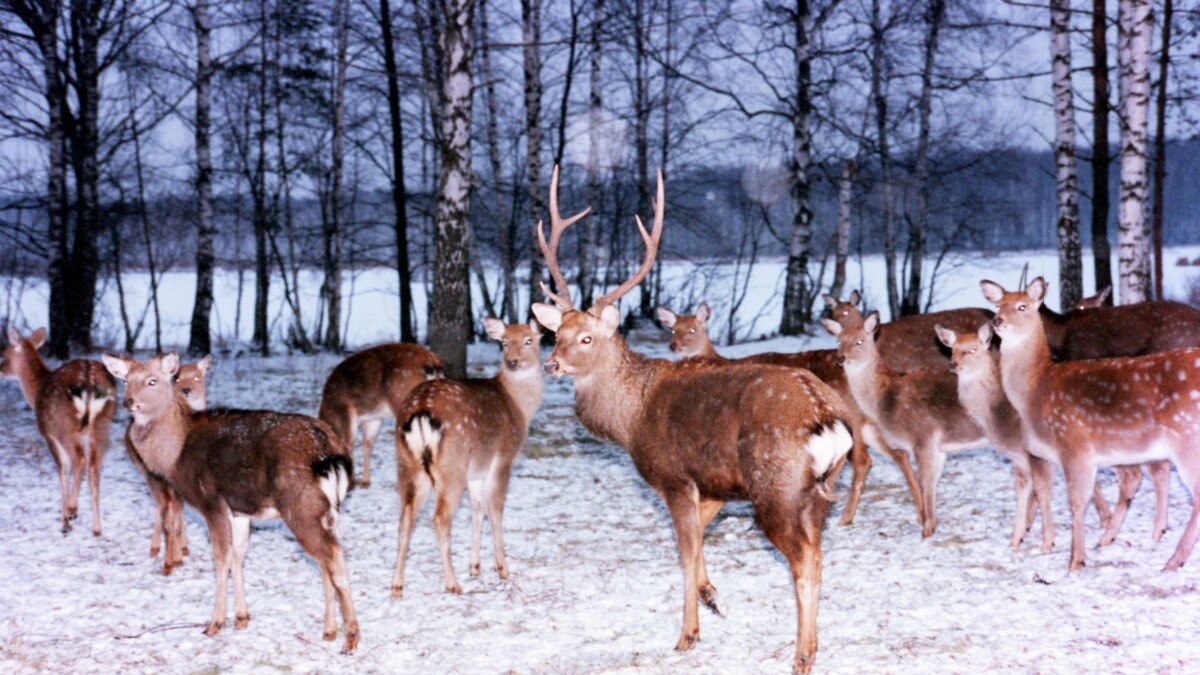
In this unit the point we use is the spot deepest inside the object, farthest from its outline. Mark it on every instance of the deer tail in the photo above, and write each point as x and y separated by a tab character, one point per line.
827	444
423	435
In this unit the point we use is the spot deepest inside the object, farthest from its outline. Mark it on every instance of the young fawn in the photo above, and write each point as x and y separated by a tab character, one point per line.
1086	414
464	435
235	465
917	410
364	390
702	434
977	368
689	338
169	528
909	343
74	406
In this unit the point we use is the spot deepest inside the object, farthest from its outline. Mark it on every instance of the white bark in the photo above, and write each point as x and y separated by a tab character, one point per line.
1133	235
1070	260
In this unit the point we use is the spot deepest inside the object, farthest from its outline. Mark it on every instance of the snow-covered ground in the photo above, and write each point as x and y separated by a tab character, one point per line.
595	584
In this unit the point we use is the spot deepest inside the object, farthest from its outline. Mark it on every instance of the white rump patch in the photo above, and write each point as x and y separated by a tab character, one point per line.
422	435
828	446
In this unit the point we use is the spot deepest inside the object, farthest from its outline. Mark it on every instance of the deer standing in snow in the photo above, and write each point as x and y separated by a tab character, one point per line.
464	435
364	390
1086	414
689	338
977	368
702	434
74	406
235	465
169	528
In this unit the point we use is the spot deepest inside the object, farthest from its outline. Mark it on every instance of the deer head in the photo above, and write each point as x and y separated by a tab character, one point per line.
846	311
519	343
585	339
689	334
148	388
856	344
18	350
969	355
192	382
1093	301
1017	315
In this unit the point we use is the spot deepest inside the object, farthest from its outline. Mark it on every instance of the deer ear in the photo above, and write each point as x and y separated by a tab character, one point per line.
830	301
118	366
1103	295
1036	290
871	323
666	317
38	338
610	319
855	297
703	313
992	291
834	328
14	337
548	315
984	333
535	327
204	363
169	363
946	335
494	327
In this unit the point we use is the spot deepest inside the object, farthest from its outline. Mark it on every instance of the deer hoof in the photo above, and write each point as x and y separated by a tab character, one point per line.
1173	565
351	642
364	483
708	596
1158	534
66	528
474	569
213	628
153	551
688	640
397	592
454	588
241	621
803	664
502	570
1075	565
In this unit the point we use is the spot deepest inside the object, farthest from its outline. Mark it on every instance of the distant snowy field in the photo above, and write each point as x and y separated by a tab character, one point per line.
595	583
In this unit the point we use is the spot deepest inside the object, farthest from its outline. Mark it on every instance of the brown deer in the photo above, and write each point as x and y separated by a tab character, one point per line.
364	390
1086	414
74	406
977	368
235	465
702	434
169	528
910	343
689	338
918	410
464	435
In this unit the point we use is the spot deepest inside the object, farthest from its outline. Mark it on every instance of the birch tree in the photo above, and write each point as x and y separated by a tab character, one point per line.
1070	262
335	227
1133	240
588	246
1160	145
450	305
531	35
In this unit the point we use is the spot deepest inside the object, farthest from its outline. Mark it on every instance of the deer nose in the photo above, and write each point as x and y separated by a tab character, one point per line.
512	364
551	366
674	347
187	391
841	360
128	402
996	321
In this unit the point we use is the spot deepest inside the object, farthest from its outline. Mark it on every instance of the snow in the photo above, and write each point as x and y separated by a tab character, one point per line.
595	584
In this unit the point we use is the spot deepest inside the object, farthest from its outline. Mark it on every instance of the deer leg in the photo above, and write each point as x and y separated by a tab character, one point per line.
95	457
1101	503
496	492
443	515
1043	488
161	517
323	546
241	542
62	460
1129	478
1160	475
171	515
475	496
370	431
220	531
413	494
1189	471
684	509
78	464
930	461
340	579
709	508
806	578
1081	479
860	463
1024	489
901	459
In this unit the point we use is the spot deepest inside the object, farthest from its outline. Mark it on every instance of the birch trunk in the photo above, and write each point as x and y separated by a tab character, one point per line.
845	193
1070	262
1133	238
879	99
335	231
589	253
796	308
531	34
1101	250
450	305
200	340
1160	145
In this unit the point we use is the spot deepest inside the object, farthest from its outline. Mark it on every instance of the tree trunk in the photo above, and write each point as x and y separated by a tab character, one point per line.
588	246
504	238
935	13
1101	251
200	341
262	270
1070	257
797	311
85	261
1133	240
845	194
335	230
450	305
531	34
399	191
879	99
1160	146
641	125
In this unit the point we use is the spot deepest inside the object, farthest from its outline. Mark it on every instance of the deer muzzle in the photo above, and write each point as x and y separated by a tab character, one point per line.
551	367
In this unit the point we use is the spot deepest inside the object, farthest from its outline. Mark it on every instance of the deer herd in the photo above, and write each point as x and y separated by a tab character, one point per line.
1095	387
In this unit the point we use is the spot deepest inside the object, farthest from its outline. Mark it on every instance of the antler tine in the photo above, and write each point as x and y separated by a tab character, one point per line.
651	239
1024	277
550	250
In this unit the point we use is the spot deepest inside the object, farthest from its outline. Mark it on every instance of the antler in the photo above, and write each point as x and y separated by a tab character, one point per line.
651	239
557	227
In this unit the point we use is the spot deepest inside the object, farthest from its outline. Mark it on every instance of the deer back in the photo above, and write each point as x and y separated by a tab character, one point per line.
376	378
1123	330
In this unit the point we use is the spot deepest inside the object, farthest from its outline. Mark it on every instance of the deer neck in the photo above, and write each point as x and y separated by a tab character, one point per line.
868	382
709	351
159	440
31	373
525	388
612	398
1025	365
1054	326
981	392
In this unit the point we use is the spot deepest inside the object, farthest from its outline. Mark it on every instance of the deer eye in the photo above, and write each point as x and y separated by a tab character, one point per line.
151	382
691	330
528	341
972	350
1021	308
586	339
845	312
858	342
